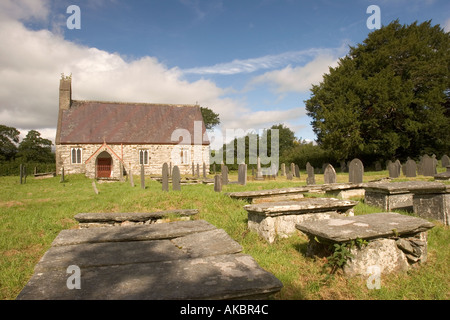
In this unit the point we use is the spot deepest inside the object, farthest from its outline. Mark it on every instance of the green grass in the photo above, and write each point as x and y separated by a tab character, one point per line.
32	215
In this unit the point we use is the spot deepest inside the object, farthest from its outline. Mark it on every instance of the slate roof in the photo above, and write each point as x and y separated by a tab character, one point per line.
89	122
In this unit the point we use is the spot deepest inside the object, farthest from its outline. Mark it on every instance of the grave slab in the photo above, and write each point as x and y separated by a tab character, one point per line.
395	241
274	219
196	261
110	219
258	196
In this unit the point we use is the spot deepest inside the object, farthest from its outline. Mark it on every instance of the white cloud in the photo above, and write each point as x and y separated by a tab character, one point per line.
297	79
31	63
446	25
261	63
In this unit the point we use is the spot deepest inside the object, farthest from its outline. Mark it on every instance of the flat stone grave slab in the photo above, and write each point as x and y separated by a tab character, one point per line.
274	219
395	241
443	175
102	219
272	195
397	195
175	260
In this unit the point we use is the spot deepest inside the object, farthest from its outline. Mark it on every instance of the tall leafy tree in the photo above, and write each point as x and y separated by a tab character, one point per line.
9	138
34	148
210	118
389	97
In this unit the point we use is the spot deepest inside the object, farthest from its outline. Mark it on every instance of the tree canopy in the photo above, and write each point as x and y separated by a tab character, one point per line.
210	118
388	97
9	138
34	148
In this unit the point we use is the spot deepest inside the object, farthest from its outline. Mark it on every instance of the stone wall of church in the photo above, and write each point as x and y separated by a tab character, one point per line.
129	156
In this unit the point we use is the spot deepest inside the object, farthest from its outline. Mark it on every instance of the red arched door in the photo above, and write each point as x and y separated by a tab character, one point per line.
104	166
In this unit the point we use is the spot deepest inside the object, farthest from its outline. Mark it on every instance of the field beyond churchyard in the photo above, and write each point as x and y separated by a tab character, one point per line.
32	215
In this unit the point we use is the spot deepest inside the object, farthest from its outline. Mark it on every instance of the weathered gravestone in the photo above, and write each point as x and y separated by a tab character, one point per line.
311	179
395	241
443	175
259	175
130	173
292	169
95	187
165	177
193	169
242	174
197	172
176	178
289	176
394	169
329	174
355	171
428	166
217	183
142	177
377	166
410	168
445	161
283	170
224	175
204	170
62	176
297	171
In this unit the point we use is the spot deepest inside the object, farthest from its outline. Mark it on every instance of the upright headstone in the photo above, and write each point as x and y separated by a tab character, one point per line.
95	187
21	173
329	174
428	166
398	165
311	179
142	177
62	175
131	178
165	177
121	172
343	166
289	176
224	175
242	174
283	170
410	168
198	171
355	171
292	169
377	166
204	170
193	169
297	171
435	163
170	169
445	161
393	169
217	183
176	178
259	175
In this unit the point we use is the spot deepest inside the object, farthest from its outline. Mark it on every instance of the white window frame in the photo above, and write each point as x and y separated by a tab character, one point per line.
78	152
144	156
185	155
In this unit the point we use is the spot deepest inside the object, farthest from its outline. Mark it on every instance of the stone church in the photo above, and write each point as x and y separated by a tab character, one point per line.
99	139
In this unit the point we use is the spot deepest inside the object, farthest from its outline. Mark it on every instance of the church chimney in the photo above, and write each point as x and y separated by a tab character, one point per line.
65	92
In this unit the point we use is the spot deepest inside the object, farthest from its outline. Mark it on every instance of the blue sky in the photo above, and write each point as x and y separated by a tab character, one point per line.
251	61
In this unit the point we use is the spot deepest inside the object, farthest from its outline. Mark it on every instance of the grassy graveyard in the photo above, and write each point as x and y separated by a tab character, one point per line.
32	215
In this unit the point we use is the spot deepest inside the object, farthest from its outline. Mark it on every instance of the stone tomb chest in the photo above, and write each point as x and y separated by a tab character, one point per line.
274	219
394	241
432	203
269	195
396	195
